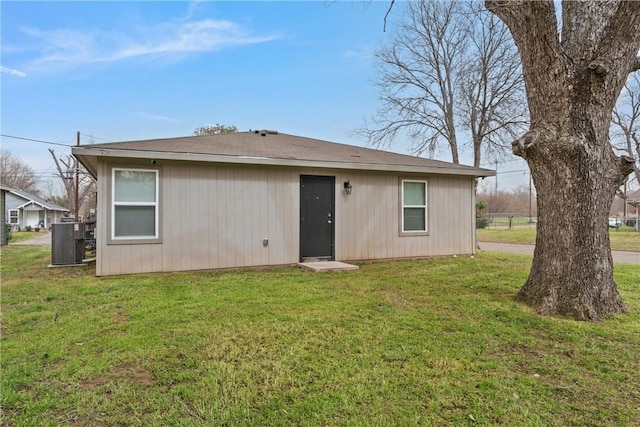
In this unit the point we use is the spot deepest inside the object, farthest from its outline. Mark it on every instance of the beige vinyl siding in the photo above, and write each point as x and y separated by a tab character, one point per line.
216	216
368	220
212	216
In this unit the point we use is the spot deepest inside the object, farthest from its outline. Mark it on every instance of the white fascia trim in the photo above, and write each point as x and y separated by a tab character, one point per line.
269	161
31	202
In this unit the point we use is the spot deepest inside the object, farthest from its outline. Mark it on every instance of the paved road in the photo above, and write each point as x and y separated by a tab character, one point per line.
618	256
43	240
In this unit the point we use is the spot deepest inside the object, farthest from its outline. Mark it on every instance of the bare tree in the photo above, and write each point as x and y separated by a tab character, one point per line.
450	66
416	82
66	171
17	174
517	201
493	106
626	122
214	130
573	76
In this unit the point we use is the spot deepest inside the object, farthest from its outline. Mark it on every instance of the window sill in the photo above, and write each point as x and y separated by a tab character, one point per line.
413	233
135	241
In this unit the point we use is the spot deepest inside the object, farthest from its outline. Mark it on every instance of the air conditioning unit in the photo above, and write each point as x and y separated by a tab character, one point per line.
67	243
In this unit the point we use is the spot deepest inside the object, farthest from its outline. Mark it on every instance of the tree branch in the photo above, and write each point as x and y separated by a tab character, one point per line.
533	26
626	165
530	21
384	28
623	33
521	145
619	46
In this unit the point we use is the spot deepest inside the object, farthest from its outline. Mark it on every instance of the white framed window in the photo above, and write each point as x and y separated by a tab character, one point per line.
414	206
134	207
13	216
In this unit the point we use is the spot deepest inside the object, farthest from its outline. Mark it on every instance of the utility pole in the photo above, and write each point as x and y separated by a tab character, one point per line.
530	216
496	190
624	201
77	178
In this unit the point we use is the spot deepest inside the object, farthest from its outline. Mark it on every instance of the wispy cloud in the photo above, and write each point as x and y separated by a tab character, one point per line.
166	40
201	36
154	117
193	5
12	72
361	54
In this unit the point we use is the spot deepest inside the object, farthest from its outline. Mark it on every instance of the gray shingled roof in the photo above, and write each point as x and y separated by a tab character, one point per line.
268	147
33	198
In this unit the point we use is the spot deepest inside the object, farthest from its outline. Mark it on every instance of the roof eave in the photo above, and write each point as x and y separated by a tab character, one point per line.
88	157
45	207
88	160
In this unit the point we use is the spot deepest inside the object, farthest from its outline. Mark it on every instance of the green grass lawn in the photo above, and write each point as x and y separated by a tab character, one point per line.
624	239
428	342
21	236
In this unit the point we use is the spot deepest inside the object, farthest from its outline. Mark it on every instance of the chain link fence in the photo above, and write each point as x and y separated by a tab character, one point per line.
506	221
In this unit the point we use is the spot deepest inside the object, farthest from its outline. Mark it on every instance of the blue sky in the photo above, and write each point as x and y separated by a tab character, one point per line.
138	70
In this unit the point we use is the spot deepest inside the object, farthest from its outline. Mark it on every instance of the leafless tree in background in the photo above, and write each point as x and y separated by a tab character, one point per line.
417	83
215	130
17	174
625	130
518	201
450	66
493	105
65	170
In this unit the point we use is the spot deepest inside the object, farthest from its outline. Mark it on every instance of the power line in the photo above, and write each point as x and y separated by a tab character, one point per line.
506	172
89	136
501	162
35	174
36	140
96	137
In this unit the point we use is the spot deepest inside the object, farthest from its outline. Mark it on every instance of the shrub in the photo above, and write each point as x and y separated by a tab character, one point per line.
482	222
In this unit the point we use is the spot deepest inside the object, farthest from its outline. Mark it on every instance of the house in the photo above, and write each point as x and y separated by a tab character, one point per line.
267	198
23	209
625	210
4	238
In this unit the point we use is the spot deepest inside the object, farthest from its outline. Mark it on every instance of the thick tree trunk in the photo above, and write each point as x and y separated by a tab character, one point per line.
572	85
576	175
572	271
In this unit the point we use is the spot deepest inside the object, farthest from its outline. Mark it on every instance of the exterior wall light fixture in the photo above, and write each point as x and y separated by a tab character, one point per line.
347	187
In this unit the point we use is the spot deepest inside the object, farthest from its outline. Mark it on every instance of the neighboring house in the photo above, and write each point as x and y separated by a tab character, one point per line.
633	210
625	209
267	198
632	200
24	209
3	229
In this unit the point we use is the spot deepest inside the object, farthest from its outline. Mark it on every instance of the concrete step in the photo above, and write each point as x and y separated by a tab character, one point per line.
321	266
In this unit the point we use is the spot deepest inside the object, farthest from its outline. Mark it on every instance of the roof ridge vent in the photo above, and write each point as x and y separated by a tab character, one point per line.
265	132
